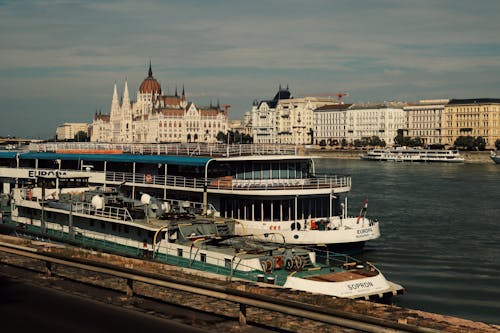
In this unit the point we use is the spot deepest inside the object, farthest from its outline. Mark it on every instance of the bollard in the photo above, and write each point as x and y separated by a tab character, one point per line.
130	287
48	268
243	315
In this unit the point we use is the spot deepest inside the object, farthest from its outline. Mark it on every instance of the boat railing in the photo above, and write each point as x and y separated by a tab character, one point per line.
116	213
228	183
183	149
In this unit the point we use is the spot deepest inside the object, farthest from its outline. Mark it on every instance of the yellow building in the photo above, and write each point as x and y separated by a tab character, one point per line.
472	117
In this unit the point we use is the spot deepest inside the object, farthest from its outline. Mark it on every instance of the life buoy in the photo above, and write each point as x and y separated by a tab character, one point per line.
148	178
267	266
289	264
278	262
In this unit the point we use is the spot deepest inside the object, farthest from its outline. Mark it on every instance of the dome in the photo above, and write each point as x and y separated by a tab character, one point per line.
150	85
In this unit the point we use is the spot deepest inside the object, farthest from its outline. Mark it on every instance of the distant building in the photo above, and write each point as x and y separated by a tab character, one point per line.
67	131
375	119
330	123
285	119
156	118
425	120
472	117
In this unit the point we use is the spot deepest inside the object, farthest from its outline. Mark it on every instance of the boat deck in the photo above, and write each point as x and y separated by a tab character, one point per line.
342	276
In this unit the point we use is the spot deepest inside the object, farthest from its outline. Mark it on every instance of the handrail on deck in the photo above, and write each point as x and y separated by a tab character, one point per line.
318	182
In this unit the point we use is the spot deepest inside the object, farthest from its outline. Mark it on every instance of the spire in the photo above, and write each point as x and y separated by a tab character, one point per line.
115	103
150	72
175	91
126	98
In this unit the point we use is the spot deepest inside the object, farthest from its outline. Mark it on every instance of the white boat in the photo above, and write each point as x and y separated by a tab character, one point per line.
270	191
103	218
413	155
495	157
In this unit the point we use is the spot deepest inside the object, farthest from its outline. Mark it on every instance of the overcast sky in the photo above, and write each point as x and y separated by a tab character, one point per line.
59	59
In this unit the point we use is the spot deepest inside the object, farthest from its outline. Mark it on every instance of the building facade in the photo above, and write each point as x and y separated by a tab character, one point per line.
157	118
285	119
330	123
425	120
67	131
472	117
375	119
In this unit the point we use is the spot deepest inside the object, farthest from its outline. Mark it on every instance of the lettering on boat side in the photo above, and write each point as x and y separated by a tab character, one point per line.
355	286
364	231
46	173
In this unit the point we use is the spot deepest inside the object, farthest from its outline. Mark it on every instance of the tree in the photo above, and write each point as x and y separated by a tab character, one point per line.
322	144
480	143
81	136
343	143
497	144
464	142
221	137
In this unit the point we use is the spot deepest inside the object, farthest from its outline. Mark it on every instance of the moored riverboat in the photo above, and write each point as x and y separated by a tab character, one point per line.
495	157
267	190
412	155
169	232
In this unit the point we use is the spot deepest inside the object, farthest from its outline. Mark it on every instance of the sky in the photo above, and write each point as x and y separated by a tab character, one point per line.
59	59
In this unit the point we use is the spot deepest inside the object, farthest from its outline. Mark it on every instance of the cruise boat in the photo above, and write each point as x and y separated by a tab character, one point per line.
104	218
495	157
270	191
413	155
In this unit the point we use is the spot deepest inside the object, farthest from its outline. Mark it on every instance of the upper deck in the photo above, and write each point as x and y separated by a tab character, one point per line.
176	149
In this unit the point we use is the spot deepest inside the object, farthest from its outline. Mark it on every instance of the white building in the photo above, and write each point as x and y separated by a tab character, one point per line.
330	123
154	117
284	119
67	131
425	120
375	119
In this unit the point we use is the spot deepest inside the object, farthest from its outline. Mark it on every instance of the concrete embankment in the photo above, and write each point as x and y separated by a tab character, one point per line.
386	312
469	156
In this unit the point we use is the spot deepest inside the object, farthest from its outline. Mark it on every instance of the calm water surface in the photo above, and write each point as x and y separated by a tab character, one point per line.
439	225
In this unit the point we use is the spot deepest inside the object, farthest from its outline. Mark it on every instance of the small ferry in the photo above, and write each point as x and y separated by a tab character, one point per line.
413	155
495	157
171	232
267	190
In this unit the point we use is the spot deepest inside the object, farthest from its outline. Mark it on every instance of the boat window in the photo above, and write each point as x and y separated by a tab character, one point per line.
275	170
291	170
179	252
266	172
257	171
227	263
203	257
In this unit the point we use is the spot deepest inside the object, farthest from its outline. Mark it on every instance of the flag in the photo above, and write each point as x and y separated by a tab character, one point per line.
363	208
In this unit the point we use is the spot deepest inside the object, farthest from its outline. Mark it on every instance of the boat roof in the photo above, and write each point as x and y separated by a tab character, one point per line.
124	158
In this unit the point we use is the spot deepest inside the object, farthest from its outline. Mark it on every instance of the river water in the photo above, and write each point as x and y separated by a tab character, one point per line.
439	225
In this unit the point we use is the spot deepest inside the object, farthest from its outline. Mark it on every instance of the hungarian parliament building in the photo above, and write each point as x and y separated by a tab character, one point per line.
157	118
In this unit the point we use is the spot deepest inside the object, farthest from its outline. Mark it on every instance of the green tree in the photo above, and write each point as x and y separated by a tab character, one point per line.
480	143
497	144
81	136
464	142
221	137
343	143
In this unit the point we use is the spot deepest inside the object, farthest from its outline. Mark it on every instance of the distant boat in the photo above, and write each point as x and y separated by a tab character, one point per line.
495	157
413	155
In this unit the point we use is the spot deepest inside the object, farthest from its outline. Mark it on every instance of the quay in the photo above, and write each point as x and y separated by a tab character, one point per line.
418	321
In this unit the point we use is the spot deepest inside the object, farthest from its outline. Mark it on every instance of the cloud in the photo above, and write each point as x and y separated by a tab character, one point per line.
68	54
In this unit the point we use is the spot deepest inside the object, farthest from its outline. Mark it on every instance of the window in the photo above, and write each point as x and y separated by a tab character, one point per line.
227	263
179	252
203	257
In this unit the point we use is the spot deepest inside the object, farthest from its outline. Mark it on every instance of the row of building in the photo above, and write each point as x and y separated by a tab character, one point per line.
157	118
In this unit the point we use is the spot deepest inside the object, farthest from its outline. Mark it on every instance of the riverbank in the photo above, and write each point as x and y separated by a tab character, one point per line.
353	154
